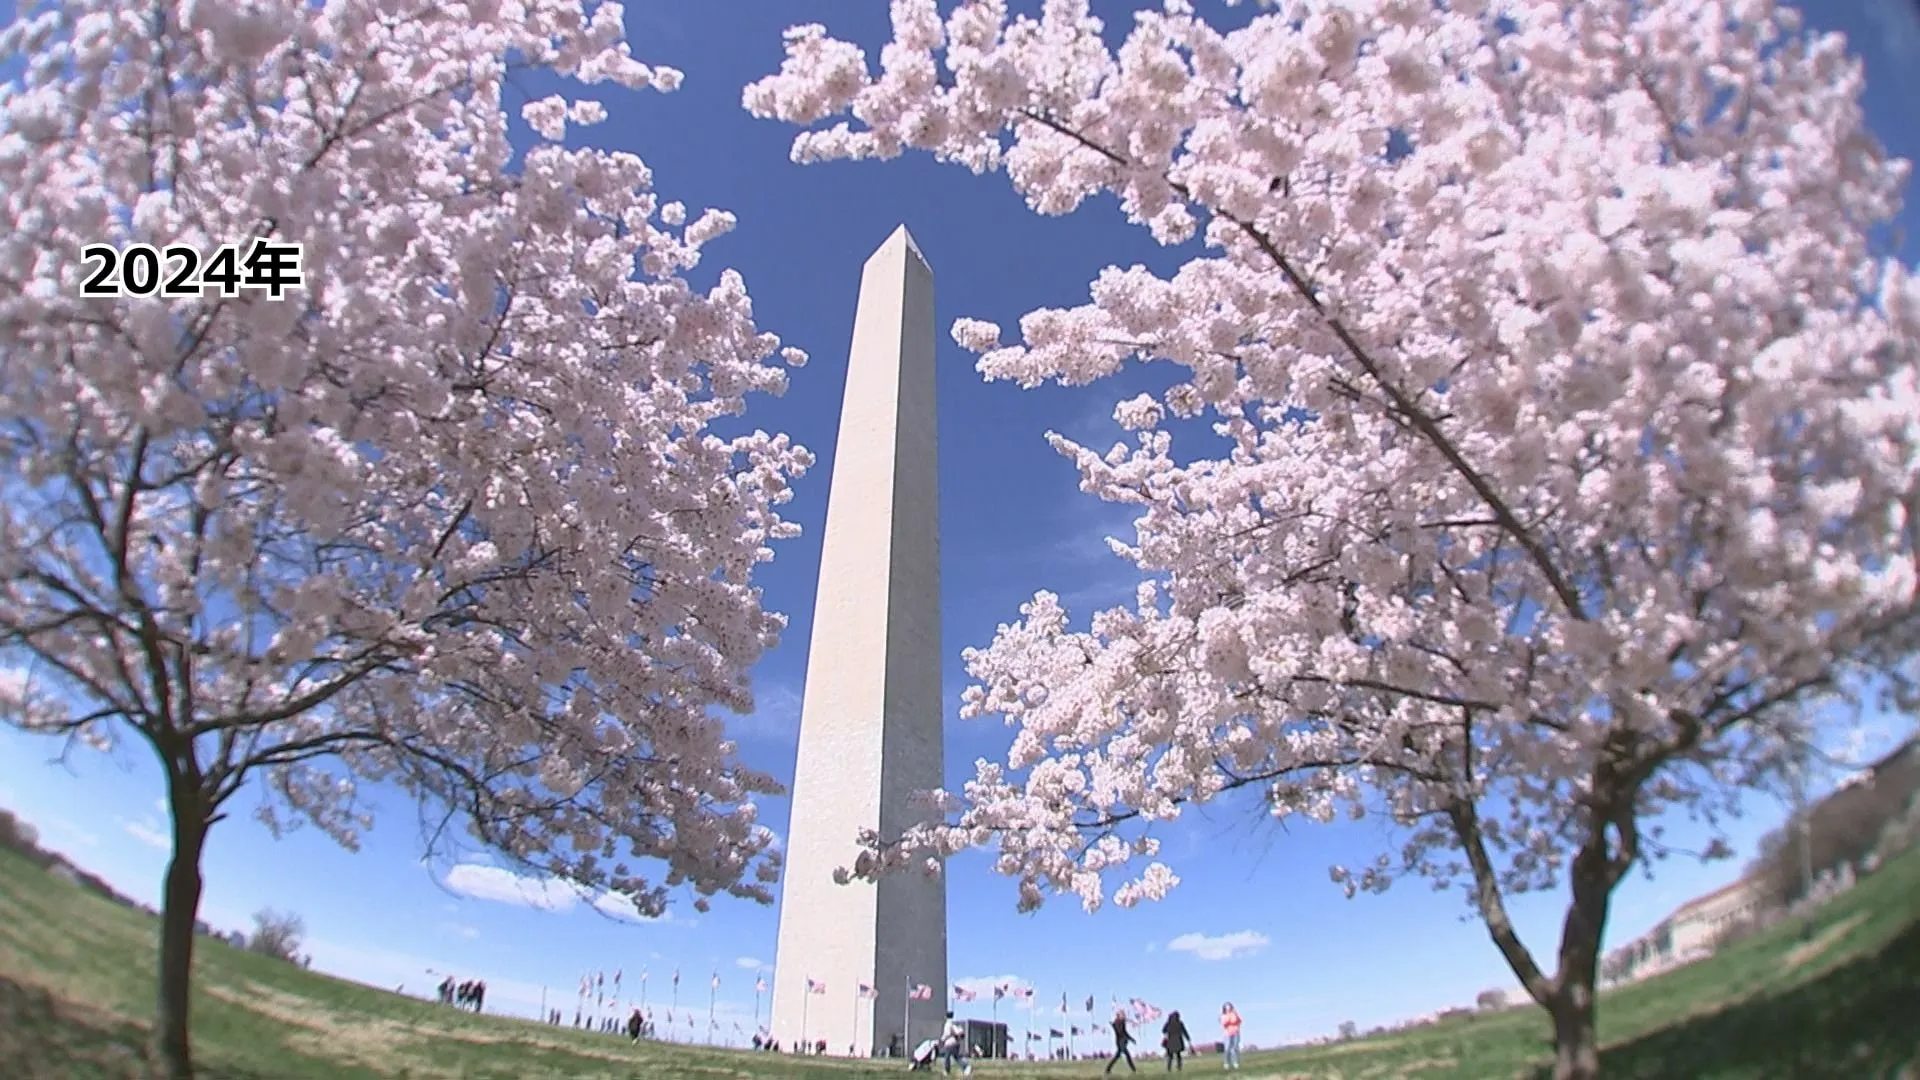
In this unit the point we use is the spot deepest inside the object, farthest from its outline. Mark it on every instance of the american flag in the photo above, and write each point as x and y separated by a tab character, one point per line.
999	992
1089	1002
961	993
816	987
868	992
1074	1029
922	992
1026	993
760	985
716	980
676	976
1063	1001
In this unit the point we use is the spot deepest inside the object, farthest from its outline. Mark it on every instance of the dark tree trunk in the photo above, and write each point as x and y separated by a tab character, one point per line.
179	908
1576	1043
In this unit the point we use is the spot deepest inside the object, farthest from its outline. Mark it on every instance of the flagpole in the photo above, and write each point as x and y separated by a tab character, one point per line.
906	1022
806	1000
854	1041
713	991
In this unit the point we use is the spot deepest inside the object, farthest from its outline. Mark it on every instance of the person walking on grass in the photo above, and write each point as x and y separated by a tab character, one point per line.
1174	1039
1122	1039
953	1047
1230	1024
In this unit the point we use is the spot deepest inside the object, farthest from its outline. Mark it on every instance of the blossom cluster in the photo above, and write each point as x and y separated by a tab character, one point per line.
456	514
1554	413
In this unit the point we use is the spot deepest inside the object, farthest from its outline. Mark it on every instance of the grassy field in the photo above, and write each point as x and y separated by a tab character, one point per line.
75	996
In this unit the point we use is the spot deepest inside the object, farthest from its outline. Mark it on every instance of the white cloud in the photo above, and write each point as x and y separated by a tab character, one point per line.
752	963
622	908
983	985
503	886
1221	947
507	887
148	833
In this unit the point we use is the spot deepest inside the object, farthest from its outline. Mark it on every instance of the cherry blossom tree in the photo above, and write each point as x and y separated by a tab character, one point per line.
455	517
1546	426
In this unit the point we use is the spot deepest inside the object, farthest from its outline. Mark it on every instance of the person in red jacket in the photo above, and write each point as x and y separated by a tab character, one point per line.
1230	1024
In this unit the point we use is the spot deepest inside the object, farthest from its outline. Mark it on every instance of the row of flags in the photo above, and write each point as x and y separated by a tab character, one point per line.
596	983
917	992
1138	1009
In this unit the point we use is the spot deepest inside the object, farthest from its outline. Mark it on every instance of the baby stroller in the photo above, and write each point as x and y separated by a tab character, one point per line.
923	1056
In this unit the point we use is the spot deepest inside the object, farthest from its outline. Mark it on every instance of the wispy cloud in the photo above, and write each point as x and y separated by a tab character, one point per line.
66	830
148	832
1899	24
751	963
983	984
461	930
506	887
775	717
1221	946
482	882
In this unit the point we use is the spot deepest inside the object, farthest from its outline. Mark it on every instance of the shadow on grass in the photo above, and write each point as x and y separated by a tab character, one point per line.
44	1038
1859	1021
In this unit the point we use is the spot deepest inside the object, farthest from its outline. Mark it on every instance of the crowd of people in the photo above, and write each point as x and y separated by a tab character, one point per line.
467	994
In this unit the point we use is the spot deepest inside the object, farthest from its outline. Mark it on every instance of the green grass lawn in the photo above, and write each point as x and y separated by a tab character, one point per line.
76	977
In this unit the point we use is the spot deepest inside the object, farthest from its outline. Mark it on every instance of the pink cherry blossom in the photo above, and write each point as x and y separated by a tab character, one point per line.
1566	416
454	516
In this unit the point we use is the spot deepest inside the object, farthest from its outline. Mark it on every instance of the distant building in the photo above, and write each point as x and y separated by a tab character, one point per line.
1690	931
1694	925
1685	935
987	1038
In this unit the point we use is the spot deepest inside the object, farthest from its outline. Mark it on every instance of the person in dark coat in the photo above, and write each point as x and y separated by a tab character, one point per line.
1174	1037
1122	1039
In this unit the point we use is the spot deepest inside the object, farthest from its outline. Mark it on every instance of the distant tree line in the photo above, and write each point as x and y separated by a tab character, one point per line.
275	934
21	837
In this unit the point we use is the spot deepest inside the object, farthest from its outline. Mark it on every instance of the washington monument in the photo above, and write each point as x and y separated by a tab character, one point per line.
870	721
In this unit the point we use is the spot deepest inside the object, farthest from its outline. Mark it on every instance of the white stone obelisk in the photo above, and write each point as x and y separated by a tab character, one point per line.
870	720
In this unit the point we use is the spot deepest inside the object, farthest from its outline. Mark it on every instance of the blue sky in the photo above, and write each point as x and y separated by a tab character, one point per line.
1256	919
